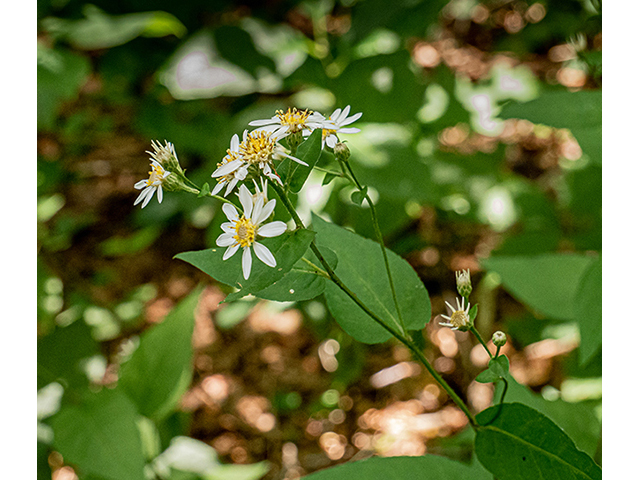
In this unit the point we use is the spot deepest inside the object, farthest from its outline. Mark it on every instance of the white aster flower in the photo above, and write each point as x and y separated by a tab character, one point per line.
459	319
157	176
243	231
291	121
261	148
336	123
231	170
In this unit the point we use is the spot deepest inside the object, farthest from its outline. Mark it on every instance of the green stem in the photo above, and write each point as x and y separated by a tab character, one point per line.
376	226
406	340
332	172
477	334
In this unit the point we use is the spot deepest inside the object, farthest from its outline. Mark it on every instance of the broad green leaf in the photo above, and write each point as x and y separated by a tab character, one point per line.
427	467
578	420
546	283
361	268
100	436
100	30
60	352
295	174
287	250
301	283
155	374
523	444
580	112
61	74
589	311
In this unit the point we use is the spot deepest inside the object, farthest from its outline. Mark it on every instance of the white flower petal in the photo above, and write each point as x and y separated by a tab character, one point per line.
141	184
230	187
331	141
450	306
296	159
159	193
228	227
272	229
264	254
351	119
218	187
228	168
225	240
267	210
235	143
257	209
246	262
230	211
246	200
149	195
230	251
349	130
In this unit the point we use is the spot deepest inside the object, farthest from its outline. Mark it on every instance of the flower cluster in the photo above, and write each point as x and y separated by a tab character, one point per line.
253	157
260	148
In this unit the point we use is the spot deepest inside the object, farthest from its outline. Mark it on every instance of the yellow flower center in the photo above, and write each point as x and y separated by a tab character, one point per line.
258	148
294	118
245	232
156	174
459	318
326	133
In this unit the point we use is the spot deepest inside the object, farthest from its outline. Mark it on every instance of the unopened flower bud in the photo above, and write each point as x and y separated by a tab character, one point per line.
173	183
463	282
166	156
294	139
499	339
341	151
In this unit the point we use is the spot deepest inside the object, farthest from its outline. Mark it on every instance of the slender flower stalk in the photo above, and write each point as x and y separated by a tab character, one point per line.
244	231
403	338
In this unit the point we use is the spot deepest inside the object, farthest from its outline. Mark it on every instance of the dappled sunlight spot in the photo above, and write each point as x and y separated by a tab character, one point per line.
158	309
571	77
429	256
535	13
444	365
266	422
430	397
64	473
327	353
478	356
391	375
562	53
452	136
254	411
286	323
225	443
426	55
333	444
314	428
271	354
204	333
480	395
570	150
217	387
513	22
480	14
362	441
337	416
447	342
382	79
239	455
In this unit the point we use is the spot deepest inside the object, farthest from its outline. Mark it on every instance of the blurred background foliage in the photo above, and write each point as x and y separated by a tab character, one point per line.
480	142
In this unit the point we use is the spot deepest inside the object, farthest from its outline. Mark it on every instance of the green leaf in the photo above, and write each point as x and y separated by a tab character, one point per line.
328	177
498	368
546	283
205	190
100	30
100	437
60	76
154	376
301	283
309	151
589	311
523	444
60	353
427	467
580	112
136	242
473	313
287	250
361	268
578	420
